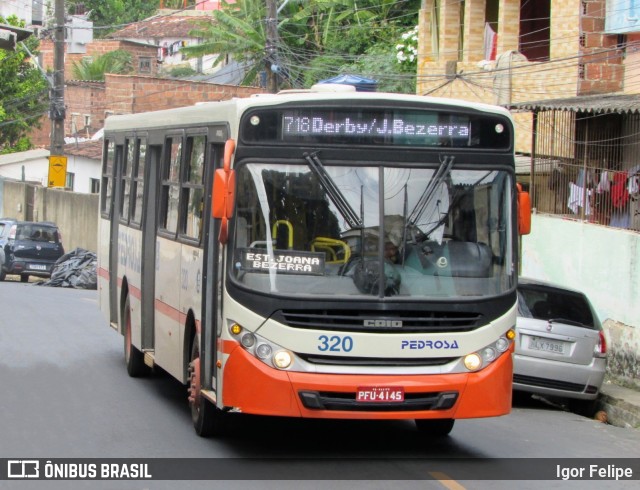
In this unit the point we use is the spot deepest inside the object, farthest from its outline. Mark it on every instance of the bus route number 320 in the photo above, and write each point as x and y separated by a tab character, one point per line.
335	343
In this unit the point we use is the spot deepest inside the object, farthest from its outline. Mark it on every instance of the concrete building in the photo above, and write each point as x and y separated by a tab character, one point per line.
82	173
169	31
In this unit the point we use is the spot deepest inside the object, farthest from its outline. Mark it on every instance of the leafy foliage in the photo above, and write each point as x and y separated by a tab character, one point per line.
24	93
239	32
111	15
316	39
118	61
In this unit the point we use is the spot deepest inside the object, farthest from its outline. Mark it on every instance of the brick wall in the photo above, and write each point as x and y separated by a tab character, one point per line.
84	100
132	94
602	69
575	29
98	48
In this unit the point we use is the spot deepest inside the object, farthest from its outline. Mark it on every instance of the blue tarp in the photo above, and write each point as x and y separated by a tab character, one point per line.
361	84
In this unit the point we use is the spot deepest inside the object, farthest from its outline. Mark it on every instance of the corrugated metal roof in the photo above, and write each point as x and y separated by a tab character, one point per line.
595	104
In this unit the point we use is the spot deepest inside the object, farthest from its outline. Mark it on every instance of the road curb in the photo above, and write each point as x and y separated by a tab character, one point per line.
620	412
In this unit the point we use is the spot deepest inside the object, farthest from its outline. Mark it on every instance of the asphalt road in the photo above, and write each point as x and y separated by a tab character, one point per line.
65	394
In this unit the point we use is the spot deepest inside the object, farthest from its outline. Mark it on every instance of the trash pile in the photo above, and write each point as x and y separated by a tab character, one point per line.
75	269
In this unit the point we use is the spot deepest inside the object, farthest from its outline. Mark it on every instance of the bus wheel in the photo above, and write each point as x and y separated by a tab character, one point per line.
435	427
133	358
207	418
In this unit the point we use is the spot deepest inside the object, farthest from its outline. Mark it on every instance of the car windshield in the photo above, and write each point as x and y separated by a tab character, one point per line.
544	303
321	229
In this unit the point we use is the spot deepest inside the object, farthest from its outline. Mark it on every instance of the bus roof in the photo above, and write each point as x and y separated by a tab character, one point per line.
231	110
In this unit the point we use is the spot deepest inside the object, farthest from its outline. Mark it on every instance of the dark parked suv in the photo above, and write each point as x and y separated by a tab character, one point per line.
28	248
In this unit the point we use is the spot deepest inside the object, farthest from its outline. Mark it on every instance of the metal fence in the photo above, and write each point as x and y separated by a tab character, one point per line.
593	194
586	167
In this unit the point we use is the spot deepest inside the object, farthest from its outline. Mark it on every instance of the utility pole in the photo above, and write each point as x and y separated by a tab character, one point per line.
57	110
57	160
271	46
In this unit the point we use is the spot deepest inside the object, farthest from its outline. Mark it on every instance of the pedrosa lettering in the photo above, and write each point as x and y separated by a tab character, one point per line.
429	344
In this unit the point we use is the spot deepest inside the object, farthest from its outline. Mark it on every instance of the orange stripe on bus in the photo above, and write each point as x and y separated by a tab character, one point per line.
170	311
102	272
135	292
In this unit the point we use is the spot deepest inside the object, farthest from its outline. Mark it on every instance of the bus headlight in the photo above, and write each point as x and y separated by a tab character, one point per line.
488	354
282	359
473	361
263	351
485	356
273	355
248	339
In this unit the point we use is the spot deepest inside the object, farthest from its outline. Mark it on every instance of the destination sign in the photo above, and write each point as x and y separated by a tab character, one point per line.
283	261
377	126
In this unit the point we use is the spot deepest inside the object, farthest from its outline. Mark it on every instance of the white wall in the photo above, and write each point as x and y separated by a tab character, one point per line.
84	169
20	8
36	168
602	262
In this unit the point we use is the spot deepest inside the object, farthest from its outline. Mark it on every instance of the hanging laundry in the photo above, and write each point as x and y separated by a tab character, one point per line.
604	184
576	199
619	191
490	42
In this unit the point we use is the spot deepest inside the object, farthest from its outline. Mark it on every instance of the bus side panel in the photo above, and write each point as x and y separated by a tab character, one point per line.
103	267
191	283
169	323
129	263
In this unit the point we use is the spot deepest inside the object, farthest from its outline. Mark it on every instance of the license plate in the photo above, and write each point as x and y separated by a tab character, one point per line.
546	345
37	267
380	394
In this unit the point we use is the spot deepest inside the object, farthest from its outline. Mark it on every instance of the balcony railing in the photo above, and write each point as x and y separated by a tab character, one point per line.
596	195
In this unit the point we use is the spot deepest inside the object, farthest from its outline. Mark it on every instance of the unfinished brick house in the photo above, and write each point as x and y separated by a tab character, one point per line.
566	71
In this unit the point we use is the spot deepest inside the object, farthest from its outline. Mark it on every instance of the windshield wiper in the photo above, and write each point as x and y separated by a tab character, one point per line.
443	171
336	196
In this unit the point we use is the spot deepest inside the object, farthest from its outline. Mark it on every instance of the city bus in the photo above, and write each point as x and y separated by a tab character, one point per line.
322	253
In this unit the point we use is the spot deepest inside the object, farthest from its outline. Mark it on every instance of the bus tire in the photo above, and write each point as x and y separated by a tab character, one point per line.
133	358
208	420
435	427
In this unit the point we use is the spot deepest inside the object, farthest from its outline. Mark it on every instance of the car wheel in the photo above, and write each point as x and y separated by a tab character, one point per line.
133	358
3	275
24	277
208	420
435	427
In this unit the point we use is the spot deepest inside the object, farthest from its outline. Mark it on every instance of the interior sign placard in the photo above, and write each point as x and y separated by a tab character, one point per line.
283	261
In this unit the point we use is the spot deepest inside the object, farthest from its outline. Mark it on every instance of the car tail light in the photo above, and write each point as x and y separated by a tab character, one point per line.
600	349
12	232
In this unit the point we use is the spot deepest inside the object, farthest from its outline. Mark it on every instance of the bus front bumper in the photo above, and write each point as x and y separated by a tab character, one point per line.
249	386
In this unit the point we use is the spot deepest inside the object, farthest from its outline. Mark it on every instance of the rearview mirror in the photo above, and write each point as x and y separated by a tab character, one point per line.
224	190
524	211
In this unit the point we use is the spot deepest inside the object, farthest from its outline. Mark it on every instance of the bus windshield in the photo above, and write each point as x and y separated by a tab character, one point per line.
373	231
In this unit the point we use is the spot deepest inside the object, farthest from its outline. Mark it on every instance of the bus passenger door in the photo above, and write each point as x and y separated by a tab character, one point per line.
212	280
148	266
114	306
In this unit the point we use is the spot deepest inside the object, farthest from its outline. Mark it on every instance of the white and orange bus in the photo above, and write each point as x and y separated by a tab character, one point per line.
324	254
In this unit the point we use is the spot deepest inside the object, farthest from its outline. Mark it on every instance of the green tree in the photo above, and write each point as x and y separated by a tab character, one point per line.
316	38
118	61
111	15
24	93
239	32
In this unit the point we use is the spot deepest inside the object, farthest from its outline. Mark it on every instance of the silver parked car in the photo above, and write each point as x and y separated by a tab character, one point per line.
560	345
